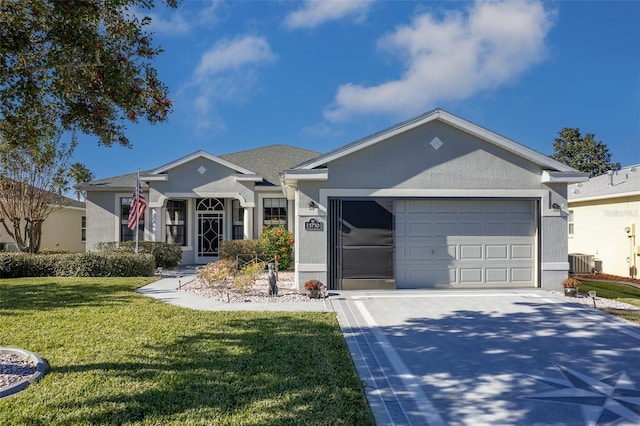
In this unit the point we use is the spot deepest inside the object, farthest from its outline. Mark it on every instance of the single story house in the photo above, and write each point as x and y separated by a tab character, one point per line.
604	221
64	229
433	202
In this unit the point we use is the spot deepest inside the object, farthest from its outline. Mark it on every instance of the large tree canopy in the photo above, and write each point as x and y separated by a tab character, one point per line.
79	65
583	153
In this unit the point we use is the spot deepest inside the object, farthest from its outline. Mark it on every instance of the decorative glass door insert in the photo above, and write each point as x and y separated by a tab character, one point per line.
210	212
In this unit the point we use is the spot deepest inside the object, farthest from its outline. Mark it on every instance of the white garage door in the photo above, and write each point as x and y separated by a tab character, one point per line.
465	243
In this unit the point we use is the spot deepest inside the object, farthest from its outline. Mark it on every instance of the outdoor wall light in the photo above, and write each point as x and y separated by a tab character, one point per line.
312	204
556	206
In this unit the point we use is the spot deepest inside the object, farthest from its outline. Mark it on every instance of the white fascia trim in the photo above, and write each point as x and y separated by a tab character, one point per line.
503	142
370	141
158	178
431	193
563	177
274	189
454	121
70	207
233	195
605	197
249	178
202	154
300	175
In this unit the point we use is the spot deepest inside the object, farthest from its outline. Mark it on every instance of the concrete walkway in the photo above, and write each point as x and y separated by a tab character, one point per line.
168	290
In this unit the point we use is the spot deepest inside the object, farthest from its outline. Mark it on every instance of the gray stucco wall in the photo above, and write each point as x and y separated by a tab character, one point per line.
216	179
101	218
407	166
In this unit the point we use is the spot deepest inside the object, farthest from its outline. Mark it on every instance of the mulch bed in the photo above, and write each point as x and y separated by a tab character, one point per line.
607	277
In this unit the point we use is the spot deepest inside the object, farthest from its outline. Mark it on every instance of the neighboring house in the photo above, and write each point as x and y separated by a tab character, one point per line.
604	220
433	202
64	229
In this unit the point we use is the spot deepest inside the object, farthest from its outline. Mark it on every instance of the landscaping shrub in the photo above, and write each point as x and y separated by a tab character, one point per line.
114	264
247	276
276	242
167	255
18	264
229	250
217	276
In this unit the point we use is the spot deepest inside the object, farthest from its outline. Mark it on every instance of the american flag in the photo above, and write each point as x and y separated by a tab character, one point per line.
138	205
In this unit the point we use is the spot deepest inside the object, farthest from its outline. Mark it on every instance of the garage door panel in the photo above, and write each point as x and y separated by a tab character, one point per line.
470	252
496	228
496	275
477	243
521	228
525	207
443	229
471	275
440	206
497	252
419	229
521	275
522	251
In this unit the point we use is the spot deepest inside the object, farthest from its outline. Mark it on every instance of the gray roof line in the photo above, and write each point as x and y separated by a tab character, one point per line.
623	182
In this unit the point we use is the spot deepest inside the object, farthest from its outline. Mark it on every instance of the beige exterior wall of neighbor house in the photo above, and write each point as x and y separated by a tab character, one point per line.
62	230
600	229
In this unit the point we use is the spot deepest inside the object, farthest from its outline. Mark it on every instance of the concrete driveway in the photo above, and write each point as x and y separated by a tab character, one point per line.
491	357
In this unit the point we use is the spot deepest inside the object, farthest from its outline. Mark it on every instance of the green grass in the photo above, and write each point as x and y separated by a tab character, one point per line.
120	358
620	292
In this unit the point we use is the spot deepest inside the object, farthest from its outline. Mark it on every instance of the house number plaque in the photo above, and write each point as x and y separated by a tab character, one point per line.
313	225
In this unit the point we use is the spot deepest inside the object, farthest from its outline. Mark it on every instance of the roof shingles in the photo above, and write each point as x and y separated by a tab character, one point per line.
624	181
266	161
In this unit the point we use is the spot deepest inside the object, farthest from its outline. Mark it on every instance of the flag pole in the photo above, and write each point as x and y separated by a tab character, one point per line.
137	198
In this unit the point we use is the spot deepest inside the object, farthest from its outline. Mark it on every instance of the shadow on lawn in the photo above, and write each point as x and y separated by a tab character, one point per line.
273	368
42	294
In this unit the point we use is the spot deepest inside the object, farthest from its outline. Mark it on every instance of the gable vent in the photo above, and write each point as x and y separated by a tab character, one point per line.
436	143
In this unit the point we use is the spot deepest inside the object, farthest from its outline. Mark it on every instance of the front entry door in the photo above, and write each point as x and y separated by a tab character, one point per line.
210	212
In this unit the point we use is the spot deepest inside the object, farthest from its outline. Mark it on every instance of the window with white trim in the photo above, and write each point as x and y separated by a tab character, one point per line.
238	220
570	223
275	212
176	222
83	229
127	234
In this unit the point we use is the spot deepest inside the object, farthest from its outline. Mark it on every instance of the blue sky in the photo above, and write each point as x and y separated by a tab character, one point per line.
321	74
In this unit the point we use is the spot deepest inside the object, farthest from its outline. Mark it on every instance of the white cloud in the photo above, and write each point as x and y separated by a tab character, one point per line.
234	54
182	20
227	72
451	58
314	13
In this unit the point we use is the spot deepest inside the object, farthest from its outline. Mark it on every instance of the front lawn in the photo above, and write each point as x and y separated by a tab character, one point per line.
120	358
620	292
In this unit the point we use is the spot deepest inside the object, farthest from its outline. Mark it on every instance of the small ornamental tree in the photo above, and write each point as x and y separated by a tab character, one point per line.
276	242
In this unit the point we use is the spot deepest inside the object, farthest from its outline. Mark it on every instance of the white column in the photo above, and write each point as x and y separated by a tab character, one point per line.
156	223
248	223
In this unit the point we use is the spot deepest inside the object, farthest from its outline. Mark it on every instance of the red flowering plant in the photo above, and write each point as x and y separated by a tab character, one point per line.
313	285
276	242
571	283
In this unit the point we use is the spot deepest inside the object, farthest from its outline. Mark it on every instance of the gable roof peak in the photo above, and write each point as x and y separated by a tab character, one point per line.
450	119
